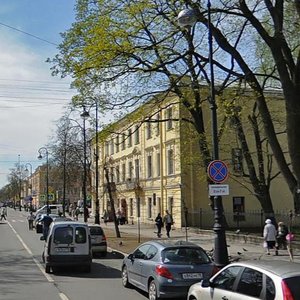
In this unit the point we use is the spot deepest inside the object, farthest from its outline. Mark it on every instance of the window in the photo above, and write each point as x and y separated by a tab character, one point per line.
149	166
117	144
250	283
137	168
140	253
130	169
123	172
151	252
148	130
106	148
238	209
170	159
131	207
63	235
226	279
169	118
123	141
112	148
237	160
117	173
170	204
157	124
137	135
129	137
149	208
80	235
270	289
158	164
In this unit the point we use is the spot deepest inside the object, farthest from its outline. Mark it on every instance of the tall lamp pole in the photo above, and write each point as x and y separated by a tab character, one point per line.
30	182
46	153
97	213
84	116
188	17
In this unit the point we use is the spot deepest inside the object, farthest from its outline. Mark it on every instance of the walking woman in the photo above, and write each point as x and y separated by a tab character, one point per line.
159	224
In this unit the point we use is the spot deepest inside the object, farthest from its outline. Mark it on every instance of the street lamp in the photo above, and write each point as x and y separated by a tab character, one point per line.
45	151
30	184
97	213
188	17
84	116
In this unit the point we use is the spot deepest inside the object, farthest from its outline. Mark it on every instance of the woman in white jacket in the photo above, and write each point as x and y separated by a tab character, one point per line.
270	234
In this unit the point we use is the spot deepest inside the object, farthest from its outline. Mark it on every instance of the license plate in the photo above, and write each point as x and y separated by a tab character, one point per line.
192	275
65	249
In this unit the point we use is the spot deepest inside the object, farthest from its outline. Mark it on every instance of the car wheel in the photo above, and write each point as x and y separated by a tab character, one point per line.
152	291
103	254
87	269
125	280
47	269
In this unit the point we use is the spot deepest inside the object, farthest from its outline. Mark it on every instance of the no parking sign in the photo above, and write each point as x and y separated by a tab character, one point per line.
217	171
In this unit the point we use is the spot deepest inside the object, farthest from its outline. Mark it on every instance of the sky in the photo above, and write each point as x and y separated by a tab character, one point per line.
31	99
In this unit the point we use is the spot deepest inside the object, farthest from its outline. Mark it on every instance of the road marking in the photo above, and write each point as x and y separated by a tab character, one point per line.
48	277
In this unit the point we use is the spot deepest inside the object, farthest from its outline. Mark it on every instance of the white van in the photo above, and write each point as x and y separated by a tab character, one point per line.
68	244
55	209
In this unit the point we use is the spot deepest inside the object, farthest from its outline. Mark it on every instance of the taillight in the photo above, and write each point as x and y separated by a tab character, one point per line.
103	237
163	272
287	295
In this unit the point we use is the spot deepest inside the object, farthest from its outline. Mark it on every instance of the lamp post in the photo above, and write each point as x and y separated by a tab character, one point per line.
84	116
97	212
188	17
30	183
46	153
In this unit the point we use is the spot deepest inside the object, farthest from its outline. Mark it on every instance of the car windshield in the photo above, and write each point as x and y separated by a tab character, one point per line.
293	284
96	231
185	255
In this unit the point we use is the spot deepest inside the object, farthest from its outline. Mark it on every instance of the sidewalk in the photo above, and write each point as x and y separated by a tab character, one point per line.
240	246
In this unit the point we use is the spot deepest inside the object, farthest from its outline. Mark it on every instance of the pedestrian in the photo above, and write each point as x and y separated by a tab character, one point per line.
119	216
269	235
76	213
105	216
168	221
282	232
3	213
159	224
30	219
47	220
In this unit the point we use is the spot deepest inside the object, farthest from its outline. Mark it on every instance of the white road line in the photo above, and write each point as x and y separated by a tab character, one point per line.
48	277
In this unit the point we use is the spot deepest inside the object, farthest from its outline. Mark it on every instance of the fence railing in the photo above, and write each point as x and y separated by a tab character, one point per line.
204	219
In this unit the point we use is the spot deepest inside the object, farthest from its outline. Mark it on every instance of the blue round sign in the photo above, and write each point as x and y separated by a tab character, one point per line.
217	171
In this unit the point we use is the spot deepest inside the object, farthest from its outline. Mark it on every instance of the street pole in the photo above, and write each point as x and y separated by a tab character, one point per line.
45	150
188	17
84	116
97	212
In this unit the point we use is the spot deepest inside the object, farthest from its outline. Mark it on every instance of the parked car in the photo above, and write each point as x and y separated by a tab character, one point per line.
270	280
68	244
166	269
98	240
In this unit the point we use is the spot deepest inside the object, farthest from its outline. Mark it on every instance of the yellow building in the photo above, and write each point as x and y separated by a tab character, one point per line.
153	163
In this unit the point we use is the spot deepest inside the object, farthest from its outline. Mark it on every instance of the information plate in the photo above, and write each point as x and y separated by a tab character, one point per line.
218	189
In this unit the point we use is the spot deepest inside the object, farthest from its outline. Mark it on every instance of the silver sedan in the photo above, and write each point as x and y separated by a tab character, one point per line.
166	269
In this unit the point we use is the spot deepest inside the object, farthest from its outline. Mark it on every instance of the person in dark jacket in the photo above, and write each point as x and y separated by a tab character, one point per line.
159	224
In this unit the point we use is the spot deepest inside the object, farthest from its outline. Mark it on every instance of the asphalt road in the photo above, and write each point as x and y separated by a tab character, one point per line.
23	278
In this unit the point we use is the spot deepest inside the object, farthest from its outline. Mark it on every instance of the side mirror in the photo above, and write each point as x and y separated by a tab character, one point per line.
42	238
205	283
131	257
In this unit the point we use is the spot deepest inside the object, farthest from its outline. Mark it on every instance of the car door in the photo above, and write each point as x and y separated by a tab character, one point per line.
148	266
224	284
135	265
250	285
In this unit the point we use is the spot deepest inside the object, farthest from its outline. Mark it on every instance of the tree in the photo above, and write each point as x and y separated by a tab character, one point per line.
136	50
